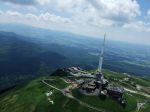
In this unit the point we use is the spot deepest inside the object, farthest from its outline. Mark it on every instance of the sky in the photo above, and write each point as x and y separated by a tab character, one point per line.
125	20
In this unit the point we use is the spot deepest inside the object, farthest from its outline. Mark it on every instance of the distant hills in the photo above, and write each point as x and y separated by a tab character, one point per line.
20	59
26	52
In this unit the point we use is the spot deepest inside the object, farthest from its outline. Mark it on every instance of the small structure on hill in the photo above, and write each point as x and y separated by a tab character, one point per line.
115	92
89	87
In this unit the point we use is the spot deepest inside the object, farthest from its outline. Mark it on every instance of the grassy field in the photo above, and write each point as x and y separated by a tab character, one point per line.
31	98
57	82
108	104
146	108
120	76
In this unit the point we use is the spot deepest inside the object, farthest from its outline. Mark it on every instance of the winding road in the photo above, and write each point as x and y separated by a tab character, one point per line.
72	97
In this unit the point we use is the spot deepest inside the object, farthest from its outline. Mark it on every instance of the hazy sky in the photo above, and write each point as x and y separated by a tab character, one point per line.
126	20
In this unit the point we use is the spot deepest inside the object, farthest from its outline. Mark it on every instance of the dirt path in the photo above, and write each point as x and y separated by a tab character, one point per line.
137	92
72	97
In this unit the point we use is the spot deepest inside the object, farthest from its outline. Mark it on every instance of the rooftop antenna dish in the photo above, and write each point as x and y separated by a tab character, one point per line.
101	55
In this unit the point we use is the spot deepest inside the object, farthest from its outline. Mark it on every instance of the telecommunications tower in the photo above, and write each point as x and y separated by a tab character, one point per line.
101	55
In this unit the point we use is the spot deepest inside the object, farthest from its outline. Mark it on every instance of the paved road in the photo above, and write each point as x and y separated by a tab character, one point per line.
51	86
72	97
137	92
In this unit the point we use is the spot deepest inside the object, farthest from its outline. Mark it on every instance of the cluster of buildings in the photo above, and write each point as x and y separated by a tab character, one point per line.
97	84
78	72
94	84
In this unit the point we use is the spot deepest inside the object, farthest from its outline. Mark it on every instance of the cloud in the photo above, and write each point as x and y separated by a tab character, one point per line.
43	2
148	12
21	2
138	25
53	18
82	13
13	13
89	16
44	17
117	10
148	15
1	12
96	12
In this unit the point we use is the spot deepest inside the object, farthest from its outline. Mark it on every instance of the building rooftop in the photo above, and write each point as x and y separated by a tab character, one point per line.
116	89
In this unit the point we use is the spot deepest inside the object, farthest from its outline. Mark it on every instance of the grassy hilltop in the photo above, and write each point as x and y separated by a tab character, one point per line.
31	97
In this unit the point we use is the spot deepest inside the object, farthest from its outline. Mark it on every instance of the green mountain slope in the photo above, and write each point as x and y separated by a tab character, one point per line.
31	97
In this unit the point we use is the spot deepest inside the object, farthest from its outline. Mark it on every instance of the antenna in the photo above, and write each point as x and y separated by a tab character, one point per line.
101	56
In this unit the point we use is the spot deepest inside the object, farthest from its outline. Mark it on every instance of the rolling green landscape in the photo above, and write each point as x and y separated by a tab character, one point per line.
26	61
24	55
31	97
74	55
